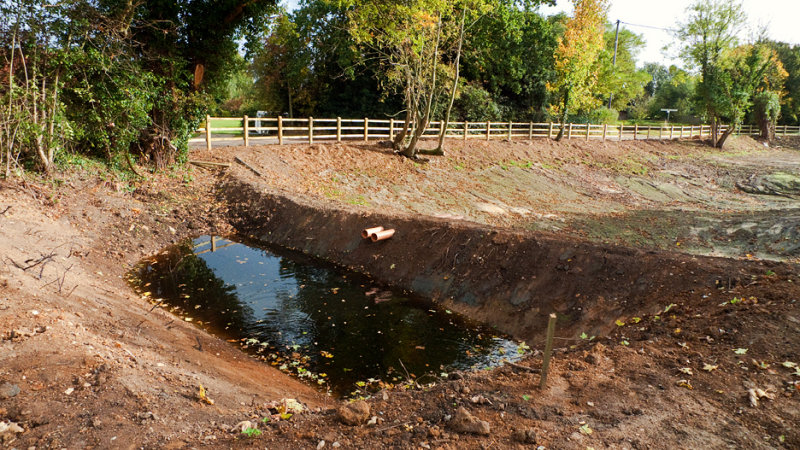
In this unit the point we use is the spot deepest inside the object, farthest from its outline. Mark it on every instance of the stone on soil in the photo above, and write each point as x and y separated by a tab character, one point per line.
354	413
464	422
8	390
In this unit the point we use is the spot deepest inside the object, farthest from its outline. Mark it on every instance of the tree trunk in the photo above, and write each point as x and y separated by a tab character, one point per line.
721	140
714	131
439	150
564	115
424	120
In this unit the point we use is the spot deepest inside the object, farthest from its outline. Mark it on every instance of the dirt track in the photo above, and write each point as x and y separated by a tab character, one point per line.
132	373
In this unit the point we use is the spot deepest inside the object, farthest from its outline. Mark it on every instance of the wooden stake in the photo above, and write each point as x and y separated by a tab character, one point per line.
391	129
548	349
338	129
569	131
310	130
588	126
635	131
621	130
488	129
280	130
208	132
510	126
605	130
246	132
550	131
466	130
366	129
530	131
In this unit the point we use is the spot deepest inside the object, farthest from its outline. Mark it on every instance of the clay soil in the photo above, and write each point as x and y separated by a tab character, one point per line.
97	366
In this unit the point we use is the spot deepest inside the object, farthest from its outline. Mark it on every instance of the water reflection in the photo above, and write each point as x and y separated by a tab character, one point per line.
334	328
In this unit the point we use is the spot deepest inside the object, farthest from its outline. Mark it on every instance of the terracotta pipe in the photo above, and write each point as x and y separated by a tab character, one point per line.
369	231
381	235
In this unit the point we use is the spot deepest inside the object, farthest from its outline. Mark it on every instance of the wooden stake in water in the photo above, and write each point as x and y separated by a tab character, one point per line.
548	348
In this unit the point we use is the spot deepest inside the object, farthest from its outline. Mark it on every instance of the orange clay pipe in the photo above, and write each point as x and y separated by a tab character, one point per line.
370	231
381	235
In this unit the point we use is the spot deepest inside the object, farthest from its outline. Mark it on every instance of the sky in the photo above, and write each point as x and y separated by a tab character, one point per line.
780	17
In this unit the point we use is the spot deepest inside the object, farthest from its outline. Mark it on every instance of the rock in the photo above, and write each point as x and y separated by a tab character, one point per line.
525	436
320	445
354	413
464	422
8	390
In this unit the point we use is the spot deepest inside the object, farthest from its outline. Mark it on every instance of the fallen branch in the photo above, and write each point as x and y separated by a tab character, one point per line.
3	212
521	367
240	161
208	163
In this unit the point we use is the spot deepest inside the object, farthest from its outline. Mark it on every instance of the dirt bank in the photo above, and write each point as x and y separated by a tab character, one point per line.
85	363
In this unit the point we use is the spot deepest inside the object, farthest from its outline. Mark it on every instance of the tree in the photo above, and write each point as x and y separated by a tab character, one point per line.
766	110
508	53
621	82
710	31
789	56
575	60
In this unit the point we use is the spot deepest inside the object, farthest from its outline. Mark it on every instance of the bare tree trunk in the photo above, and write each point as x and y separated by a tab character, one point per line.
422	122
714	130
724	137
564	115
439	150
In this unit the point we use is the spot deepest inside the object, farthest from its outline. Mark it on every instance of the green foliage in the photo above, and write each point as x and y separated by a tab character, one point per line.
475	104
622	82
766	110
789	56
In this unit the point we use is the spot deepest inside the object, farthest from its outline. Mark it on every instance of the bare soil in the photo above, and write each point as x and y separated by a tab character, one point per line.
98	366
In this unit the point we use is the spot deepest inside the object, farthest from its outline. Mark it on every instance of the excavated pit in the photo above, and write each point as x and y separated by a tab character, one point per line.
505	278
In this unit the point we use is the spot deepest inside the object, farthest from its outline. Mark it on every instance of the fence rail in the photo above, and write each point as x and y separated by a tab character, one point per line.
311	129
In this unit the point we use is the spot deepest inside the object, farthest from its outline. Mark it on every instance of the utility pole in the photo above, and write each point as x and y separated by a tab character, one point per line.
614	61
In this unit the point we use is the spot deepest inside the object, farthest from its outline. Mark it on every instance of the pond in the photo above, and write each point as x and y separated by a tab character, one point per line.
333	328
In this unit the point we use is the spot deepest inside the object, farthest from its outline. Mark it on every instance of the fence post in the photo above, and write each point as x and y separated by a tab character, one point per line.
784	130
648	133
530	131
701	132
208	132
280	130
391	129
569	133
550	131
488	129
466	129
671	131
605	130
510	127
338	129
588	126
246	131
635	131
310	130
621	130
366	129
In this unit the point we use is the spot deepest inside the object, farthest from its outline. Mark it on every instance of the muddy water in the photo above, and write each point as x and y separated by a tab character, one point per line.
336	329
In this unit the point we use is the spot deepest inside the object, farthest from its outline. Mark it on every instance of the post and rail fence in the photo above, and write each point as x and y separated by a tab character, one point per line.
282	130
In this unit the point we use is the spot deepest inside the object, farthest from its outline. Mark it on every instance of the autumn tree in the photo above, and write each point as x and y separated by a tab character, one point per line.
575	60
710	31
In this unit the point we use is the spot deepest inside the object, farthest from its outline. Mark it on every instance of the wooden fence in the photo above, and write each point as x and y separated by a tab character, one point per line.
310	130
